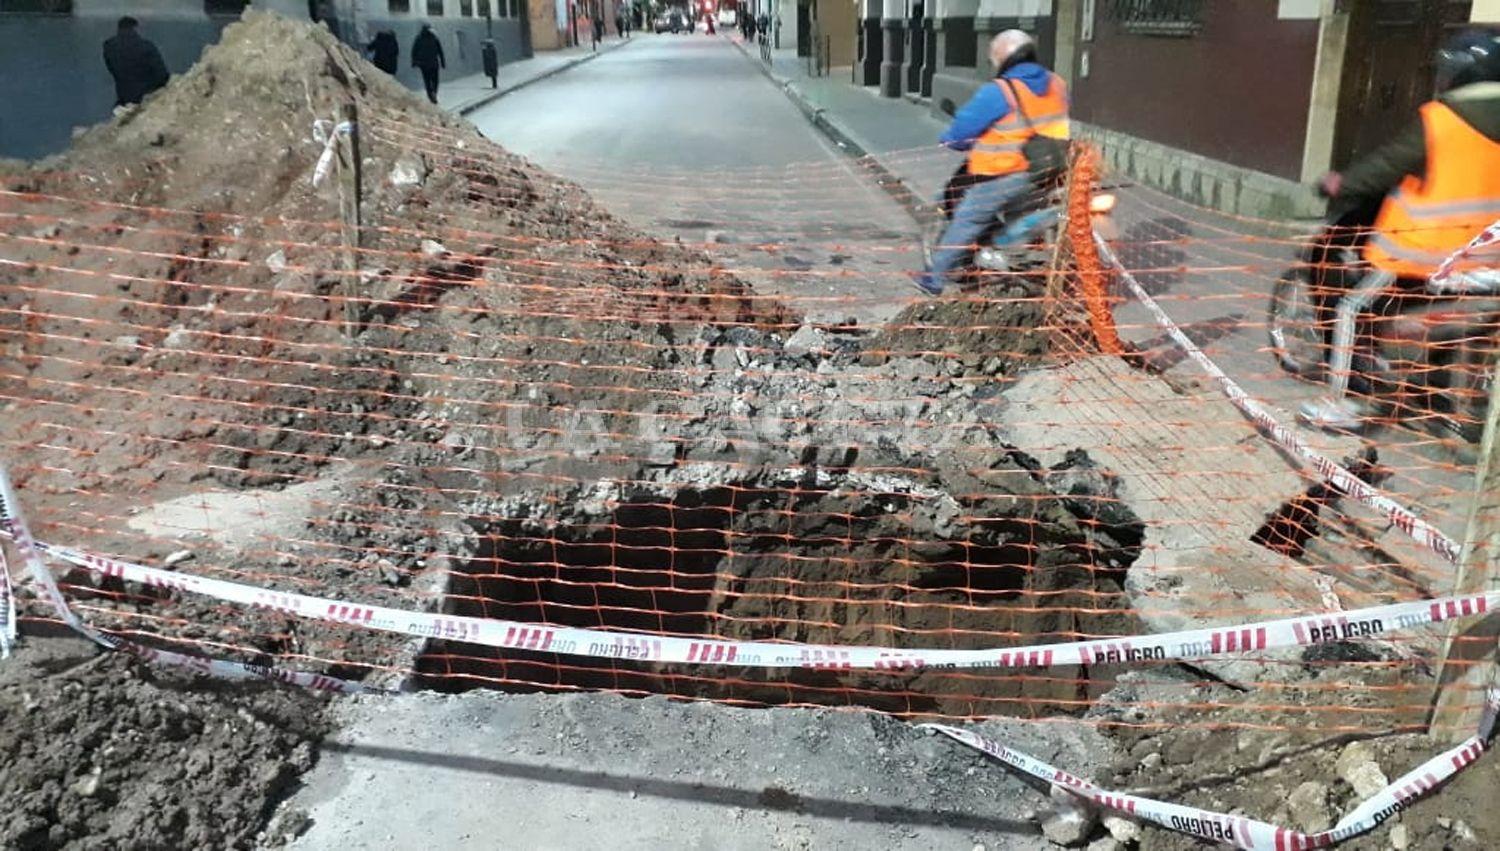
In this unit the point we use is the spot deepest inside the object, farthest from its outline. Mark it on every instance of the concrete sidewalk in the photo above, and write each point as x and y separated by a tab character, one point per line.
467	94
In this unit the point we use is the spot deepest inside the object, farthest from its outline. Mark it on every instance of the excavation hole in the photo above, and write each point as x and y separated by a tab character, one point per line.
773	562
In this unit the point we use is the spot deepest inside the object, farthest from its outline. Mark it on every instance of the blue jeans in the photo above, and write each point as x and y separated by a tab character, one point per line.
981	203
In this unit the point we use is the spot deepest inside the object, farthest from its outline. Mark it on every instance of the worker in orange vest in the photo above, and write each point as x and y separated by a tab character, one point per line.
1025	100
1438	186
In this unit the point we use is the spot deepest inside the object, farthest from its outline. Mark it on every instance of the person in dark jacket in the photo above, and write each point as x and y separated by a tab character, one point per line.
1435	185
134	62
385	52
490	56
427	55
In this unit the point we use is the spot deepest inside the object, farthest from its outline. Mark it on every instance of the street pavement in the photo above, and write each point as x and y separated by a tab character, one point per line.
682	136
467	94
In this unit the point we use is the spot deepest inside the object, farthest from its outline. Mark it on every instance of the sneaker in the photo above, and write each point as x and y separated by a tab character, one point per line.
928	284
1334	414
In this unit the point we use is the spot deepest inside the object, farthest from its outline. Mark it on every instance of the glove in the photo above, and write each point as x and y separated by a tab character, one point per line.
1330	184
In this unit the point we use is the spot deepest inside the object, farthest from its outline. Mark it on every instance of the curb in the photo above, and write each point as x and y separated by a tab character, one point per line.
491	97
910	200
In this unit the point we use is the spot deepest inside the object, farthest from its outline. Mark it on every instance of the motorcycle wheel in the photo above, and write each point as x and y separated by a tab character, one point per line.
1469	388
1292	327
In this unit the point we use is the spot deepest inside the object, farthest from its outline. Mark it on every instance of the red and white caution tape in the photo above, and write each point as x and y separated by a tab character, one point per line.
7	610
1486	238
1300	631
13	522
1399	515
1244	832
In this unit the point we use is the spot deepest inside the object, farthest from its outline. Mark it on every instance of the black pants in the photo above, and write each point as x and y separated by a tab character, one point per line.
430	80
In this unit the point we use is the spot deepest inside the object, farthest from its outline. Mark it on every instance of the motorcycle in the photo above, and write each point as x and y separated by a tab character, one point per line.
1023	236
1423	353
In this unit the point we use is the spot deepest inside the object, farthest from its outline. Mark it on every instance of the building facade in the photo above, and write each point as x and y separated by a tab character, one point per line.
1236	105
52	74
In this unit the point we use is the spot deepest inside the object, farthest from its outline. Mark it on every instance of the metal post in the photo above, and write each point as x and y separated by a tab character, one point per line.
1469	652
350	180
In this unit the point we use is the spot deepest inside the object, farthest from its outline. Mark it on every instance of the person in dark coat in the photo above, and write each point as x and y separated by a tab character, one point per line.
427	55
385	52
491	58
134	62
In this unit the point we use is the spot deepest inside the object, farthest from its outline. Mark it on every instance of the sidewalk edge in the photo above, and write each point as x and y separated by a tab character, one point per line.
490	97
900	192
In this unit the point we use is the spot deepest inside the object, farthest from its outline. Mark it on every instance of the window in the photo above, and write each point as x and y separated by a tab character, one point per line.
399	7
434	8
515	8
225	7
466	8
484	8
1157	17
36	7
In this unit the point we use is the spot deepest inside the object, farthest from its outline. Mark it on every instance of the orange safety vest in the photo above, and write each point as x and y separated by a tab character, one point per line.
1426	220
998	150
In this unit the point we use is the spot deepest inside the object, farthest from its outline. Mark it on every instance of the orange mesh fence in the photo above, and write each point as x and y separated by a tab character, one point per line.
757	432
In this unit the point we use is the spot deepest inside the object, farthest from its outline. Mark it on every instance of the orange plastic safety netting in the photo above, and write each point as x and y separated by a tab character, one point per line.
755	432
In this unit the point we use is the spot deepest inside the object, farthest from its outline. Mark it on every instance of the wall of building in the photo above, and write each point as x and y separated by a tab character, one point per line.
1485	12
548	24
1238	91
836	21
52	74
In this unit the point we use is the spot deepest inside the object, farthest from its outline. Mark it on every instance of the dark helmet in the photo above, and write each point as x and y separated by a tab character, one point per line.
1469	57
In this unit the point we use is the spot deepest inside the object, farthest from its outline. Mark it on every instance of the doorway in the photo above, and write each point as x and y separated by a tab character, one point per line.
1388	69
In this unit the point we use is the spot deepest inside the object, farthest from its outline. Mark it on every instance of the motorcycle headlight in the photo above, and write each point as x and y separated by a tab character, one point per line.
1102	203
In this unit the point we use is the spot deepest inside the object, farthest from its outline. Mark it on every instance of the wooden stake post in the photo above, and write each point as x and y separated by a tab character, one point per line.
350	180
1469	652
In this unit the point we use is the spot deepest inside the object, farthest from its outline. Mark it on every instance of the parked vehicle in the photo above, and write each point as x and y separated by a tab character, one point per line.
1419	354
672	20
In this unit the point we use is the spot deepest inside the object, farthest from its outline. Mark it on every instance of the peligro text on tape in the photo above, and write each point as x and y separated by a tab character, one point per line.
1402	517
13	522
1300	631
1245	832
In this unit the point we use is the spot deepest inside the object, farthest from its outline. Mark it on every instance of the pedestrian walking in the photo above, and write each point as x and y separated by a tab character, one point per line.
427	56
385	52
491	58
134	62
598	29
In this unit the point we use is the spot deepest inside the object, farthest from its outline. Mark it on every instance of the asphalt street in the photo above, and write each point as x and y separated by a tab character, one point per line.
683	136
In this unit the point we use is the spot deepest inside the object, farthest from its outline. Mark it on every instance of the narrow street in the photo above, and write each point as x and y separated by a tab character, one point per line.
684	137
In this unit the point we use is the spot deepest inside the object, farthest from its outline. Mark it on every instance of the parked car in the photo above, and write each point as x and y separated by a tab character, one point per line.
727	17
672	20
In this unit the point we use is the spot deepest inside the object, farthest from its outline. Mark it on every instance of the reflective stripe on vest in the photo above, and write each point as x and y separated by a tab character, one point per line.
1426	220
998	150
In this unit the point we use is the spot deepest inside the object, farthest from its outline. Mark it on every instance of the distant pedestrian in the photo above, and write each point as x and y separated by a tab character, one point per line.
598	29
491	59
385	52
620	26
763	24
134	62
427	55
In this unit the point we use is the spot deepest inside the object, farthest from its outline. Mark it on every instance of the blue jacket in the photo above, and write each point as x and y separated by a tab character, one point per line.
989	105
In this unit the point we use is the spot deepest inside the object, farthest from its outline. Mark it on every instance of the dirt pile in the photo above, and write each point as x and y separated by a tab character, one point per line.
102	752
566	419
